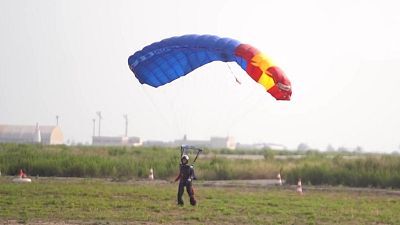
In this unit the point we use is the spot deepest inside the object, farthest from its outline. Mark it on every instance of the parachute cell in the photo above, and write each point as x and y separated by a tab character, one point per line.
165	61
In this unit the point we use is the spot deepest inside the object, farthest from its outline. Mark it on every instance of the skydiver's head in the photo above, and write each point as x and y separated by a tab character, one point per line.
185	159
282	90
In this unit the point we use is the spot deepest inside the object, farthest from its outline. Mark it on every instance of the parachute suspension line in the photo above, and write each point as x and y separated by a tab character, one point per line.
233	74
171	99
176	111
223	115
246	112
182	108
234	118
228	116
211	125
157	108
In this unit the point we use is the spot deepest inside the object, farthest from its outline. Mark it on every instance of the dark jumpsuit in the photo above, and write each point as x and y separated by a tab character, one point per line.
186	174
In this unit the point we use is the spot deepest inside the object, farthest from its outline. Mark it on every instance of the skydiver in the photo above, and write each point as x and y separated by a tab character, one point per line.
185	177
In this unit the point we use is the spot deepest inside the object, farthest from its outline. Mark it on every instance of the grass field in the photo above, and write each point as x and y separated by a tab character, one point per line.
91	201
314	168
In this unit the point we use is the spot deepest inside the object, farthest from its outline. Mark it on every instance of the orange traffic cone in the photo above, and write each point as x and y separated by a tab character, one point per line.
21	174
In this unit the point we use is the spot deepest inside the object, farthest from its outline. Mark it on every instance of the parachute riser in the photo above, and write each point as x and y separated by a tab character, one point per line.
184	148
197	155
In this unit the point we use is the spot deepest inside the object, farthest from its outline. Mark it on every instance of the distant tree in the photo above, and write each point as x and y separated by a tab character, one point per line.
269	154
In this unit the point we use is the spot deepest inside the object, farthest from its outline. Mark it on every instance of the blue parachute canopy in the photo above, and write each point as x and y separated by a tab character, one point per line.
165	61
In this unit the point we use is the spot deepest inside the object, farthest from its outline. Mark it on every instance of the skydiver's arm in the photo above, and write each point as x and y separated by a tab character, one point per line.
178	177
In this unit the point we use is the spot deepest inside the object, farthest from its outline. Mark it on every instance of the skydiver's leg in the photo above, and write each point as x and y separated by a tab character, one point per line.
180	193
190	191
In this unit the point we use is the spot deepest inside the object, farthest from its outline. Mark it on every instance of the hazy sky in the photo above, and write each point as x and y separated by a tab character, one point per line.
69	58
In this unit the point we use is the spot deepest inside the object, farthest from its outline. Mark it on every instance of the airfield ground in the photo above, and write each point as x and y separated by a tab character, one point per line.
100	201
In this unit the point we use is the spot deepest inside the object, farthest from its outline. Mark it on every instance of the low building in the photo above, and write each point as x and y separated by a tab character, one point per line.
116	141
214	142
223	142
155	143
47	135
197	143
259	146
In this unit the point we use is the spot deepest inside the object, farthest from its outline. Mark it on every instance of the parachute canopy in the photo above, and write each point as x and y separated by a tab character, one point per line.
165	61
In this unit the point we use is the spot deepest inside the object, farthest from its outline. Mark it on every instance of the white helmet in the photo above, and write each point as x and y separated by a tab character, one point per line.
185	157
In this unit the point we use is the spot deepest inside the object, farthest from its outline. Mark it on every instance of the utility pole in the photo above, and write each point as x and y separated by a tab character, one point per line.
57	117
126	125
100	117
94	127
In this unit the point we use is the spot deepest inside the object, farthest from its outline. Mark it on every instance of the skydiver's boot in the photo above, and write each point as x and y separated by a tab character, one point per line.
180	200
193	201
190	191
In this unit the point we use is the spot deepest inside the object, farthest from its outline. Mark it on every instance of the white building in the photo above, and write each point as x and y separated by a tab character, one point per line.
116	141
259	146
155	143
223	142
214	142
48	135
